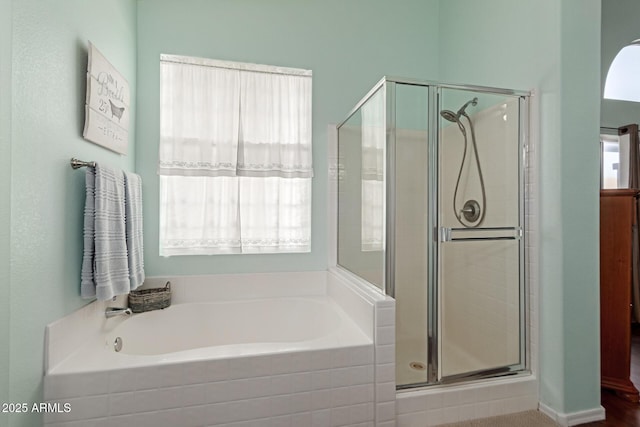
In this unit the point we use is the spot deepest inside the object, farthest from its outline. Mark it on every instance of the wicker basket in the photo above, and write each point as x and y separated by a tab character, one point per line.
150	299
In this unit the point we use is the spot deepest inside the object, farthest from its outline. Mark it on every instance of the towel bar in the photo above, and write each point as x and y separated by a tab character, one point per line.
76	164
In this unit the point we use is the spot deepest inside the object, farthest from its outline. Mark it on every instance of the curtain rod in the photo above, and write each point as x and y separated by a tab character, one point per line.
615	130
231	65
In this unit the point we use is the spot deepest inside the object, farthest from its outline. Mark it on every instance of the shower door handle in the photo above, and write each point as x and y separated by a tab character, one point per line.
459	234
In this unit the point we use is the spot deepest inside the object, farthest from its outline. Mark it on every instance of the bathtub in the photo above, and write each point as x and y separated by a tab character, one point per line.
210	330
297	360
237	328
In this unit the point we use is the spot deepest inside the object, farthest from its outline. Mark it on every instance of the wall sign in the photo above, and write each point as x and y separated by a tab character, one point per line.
106	120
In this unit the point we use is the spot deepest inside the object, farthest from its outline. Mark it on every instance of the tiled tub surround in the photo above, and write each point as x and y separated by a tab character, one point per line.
327	380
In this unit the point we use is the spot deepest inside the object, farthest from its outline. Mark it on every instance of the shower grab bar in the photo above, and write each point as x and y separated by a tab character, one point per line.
447	234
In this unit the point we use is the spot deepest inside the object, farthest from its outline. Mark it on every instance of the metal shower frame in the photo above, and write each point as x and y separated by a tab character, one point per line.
434	235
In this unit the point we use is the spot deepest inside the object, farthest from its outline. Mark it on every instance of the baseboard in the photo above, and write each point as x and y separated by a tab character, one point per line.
573	418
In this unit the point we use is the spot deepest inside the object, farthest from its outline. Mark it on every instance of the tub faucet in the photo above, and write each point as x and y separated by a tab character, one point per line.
117	311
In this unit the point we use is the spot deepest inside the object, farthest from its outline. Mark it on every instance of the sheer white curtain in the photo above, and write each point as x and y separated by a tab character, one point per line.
199	215
235	158
199	120
275	125
373	142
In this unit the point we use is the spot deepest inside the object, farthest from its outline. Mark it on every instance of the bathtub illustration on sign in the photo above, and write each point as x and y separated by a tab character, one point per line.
116	111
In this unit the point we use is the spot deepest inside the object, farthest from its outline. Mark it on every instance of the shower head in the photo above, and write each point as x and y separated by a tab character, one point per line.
449	115
455	117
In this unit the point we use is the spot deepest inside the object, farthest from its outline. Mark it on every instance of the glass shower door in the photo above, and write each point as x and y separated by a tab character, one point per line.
480	248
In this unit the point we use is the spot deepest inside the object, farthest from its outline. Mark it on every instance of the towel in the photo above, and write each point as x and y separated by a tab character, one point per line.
87	285
105	269
133	214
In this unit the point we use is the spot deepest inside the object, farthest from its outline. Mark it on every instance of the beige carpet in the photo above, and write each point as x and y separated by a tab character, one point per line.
521	419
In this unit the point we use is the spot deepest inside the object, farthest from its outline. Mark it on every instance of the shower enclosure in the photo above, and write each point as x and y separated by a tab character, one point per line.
431	211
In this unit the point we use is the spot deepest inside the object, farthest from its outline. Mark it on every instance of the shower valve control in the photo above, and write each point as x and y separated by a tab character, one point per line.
471	210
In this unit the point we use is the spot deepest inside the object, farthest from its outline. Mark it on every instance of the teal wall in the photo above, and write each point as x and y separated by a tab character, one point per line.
619	28
48	78
349	45
580	208
553	47
5	196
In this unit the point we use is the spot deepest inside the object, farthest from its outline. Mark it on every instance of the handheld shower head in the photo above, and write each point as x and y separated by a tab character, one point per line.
455	117
449	115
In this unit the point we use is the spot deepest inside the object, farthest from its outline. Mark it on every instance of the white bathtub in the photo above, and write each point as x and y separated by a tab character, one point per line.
217	363
202	331
254	326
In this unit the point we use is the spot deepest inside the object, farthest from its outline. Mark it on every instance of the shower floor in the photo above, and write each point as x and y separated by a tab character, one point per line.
456	360
409	352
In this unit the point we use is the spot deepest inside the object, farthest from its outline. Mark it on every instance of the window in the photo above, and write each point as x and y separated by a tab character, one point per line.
235	157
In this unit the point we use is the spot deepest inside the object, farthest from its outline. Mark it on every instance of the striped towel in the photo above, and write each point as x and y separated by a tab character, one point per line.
87	285
105	270
133	212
